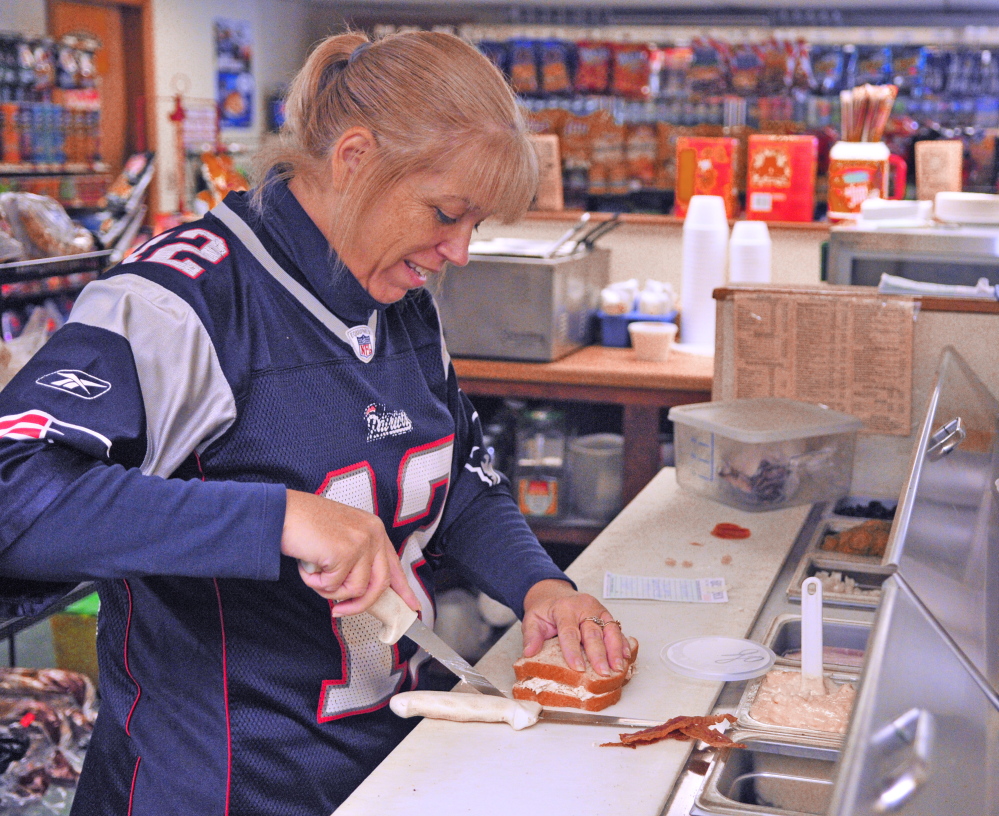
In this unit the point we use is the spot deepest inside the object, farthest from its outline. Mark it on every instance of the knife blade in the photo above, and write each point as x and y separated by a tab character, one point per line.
518	714
398	621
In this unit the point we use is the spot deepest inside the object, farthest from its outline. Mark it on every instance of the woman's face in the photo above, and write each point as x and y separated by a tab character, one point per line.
409	234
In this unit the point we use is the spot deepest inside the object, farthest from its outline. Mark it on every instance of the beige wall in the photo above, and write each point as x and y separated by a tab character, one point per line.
183	56
655	250
23	16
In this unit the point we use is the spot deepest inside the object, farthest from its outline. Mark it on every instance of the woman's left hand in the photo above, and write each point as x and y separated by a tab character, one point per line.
553	608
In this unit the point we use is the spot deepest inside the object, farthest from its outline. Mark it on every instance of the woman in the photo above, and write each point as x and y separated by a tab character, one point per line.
251	428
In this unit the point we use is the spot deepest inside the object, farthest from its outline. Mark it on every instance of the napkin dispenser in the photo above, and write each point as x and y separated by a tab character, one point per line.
522	308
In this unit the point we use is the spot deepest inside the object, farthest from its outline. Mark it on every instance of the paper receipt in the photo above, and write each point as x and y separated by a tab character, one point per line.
649	588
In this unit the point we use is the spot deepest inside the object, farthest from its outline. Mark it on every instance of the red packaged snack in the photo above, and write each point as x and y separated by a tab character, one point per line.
780	177
705	165
593	67
631	70
641	151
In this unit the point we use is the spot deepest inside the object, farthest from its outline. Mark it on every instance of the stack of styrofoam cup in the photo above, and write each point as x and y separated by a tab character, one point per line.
705	246
749	253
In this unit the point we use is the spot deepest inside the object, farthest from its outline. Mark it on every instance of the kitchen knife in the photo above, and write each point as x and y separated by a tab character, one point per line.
398	620
449	705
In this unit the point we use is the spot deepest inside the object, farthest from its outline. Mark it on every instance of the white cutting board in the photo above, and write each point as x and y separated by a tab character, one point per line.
480	769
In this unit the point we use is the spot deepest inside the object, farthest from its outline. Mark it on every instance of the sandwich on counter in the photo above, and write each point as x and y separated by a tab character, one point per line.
547	679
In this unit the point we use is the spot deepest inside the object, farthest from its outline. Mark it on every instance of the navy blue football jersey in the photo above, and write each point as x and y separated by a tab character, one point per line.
149	444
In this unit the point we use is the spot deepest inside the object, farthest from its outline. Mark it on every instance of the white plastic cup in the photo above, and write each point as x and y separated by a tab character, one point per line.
749	253
705	250
652	340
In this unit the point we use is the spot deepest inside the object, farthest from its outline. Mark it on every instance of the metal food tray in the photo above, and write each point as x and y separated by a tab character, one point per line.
867	576
766	777
808	736
831	525
785	633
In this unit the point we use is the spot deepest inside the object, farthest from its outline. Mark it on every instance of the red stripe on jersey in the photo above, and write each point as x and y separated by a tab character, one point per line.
128	671
29	425
225	695
131	792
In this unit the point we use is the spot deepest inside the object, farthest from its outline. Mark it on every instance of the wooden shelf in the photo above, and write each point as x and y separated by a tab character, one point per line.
601	375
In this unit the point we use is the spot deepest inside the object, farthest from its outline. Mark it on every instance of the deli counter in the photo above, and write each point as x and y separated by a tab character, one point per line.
923	737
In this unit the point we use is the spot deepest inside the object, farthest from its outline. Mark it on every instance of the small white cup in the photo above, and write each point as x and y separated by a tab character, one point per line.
652	340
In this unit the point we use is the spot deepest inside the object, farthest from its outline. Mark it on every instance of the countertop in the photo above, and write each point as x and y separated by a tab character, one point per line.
599	366
446	769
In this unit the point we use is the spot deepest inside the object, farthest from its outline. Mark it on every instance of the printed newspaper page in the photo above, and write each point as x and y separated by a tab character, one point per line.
852	353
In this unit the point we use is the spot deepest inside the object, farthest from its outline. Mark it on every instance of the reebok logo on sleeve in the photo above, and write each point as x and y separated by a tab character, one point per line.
75	382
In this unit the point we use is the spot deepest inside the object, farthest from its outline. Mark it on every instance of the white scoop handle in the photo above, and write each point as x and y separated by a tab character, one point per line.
811	628
449	705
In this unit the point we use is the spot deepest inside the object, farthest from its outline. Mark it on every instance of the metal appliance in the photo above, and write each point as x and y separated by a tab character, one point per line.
924	735
527	300
945	253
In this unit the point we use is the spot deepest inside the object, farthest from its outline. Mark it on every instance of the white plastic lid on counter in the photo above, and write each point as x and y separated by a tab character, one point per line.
718	658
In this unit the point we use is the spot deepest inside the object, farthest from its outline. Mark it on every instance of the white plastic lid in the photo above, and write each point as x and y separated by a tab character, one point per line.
764	419
718	658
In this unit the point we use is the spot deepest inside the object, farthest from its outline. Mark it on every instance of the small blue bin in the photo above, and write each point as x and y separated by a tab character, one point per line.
614	328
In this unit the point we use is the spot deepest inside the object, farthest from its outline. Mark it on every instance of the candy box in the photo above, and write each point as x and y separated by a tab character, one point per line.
706	165
780	177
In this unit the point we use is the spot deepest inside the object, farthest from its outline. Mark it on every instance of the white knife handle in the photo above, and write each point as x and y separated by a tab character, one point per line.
449	705
394	615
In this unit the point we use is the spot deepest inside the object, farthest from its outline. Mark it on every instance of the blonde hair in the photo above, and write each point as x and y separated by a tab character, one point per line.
434	104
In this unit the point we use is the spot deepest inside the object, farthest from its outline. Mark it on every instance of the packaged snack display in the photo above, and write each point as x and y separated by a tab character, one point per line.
630	77
556	58
593	67
746	69
523	66
827	68
641	154
137	171
608	167
706	73
780	177
705	166
43	227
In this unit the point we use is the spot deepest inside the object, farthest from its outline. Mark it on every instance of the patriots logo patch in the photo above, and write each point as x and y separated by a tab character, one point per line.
382	423
78	383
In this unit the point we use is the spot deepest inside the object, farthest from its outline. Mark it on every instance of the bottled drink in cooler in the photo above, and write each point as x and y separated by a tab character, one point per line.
540	472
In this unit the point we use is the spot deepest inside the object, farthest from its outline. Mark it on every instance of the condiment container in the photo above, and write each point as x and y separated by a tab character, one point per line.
858	171
540	472
764	453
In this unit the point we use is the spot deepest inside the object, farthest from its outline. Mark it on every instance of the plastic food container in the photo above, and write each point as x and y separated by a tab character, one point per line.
614	328
595	475
764	453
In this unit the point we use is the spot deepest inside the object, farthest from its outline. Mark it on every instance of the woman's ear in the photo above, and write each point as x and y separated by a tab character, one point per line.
355	146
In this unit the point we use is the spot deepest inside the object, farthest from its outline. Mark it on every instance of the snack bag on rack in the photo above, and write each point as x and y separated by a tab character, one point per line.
220	174
632	70
43	226
556	57
10	248
523	66
593	67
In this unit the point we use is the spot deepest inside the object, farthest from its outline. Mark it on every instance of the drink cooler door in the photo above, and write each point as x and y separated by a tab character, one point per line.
924	736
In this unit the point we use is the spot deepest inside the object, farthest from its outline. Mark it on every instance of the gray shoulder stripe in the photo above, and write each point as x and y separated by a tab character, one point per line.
445	357
242	231
187	399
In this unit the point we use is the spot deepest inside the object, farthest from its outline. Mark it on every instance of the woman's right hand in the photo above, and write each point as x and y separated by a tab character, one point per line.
351	559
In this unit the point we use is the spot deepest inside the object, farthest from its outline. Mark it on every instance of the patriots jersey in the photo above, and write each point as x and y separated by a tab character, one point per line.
148	446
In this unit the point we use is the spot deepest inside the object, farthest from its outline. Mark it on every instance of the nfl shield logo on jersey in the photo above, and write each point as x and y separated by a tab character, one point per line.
363	342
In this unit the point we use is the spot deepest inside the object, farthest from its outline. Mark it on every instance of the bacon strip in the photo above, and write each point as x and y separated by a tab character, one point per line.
682	729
